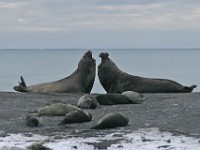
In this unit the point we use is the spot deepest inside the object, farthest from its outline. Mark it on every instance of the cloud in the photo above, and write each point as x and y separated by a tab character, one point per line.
62	15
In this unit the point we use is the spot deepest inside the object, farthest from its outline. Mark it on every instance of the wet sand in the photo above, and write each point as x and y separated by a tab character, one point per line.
176	113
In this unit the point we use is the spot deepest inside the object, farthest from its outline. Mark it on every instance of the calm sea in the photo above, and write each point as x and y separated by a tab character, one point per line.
38	66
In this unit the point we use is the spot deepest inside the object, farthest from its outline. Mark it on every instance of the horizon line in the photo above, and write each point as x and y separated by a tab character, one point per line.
99	48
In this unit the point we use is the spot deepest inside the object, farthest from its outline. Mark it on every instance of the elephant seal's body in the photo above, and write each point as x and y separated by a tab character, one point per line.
114	80
111	120
33	120
76	117
80	81
87	102
57	109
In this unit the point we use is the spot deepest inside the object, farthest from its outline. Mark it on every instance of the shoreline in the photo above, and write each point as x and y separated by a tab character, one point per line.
176	113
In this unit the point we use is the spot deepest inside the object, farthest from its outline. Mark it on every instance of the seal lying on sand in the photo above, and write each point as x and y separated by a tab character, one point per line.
135	97
114	80
115	99
111	120
33	120
76	117
87	102
80	81
57	109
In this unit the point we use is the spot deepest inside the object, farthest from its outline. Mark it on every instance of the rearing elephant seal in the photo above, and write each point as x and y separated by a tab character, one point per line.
80	81
114	80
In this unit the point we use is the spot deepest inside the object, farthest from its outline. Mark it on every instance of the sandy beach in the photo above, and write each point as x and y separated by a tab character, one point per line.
175	113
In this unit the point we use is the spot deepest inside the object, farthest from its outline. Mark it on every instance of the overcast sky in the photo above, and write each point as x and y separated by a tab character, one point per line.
99	24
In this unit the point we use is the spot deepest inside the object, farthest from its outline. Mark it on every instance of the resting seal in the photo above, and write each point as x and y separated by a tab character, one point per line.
87	102
114	80
76	117
138	98
33	120
111	120
80	81
57	109
114	99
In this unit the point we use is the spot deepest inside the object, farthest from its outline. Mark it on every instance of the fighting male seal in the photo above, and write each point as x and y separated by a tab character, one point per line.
111	120
114	80
80	81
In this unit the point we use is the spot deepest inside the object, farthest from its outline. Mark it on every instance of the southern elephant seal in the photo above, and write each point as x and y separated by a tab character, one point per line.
80	81
57	109
111	120
33	120
114	80
134	96
87	102
76	117
114	99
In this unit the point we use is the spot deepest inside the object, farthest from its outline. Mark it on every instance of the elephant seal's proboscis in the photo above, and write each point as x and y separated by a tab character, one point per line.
114	80
80	81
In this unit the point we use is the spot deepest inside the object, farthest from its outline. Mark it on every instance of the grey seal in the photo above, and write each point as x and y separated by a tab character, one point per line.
111	120
87	102
114	80
134	96
80	81
76	117
33	120
57	109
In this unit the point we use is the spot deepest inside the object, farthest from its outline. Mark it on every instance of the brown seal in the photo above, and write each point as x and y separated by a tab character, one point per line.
57	109
80	81
111	120
114	80
76	117
87	102
114	99
33	120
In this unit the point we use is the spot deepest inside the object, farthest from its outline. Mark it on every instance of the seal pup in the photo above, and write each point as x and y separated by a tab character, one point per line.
135	97
76	117
57	109
87	102
80	81
33	120
114	80
111	120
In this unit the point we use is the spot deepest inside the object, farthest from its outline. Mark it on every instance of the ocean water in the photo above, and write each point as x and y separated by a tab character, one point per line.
38	66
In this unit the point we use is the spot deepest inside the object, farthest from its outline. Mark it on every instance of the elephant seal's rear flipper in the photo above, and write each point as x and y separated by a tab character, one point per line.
23	83
21	87
188	89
